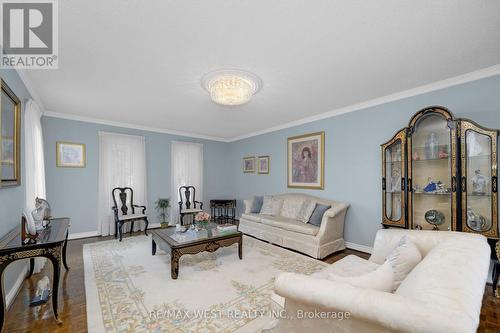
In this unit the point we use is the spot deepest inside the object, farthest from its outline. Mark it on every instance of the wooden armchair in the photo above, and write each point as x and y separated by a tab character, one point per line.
126	213
188	203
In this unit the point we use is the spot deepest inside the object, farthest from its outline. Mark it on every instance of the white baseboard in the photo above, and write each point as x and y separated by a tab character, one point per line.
95	233
11	295
358	247
86	234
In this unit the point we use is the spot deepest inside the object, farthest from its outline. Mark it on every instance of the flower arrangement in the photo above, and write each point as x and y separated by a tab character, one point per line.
202	217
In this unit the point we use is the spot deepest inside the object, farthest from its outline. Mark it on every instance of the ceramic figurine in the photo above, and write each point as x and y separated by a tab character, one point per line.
431	147
431	186
416	157
42	213
478	183
396	181
476	221
435	218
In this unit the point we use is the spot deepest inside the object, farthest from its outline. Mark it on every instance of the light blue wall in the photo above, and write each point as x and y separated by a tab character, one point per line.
353	161
12	200
73	191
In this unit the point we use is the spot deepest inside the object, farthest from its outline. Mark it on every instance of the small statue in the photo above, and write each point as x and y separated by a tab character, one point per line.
42	285
431	147
431	186
416	157
42	213
478	183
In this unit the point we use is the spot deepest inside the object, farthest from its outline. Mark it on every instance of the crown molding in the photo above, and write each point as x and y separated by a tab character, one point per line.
457	80
29	86
131	126
453	81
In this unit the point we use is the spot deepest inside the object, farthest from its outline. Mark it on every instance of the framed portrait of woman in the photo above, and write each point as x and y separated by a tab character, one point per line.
306	161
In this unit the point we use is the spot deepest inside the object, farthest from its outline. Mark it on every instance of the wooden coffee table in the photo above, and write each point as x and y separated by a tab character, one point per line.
193	242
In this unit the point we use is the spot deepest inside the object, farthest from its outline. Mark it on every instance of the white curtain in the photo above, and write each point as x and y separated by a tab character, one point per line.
34	161
122	163
187	169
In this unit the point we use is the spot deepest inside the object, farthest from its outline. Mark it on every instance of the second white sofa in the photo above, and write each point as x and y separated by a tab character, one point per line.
315	241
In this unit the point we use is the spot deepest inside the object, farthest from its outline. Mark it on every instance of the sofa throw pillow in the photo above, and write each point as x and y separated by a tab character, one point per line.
256	204
403	259
267	205
317	215
306	211
381	279
291	207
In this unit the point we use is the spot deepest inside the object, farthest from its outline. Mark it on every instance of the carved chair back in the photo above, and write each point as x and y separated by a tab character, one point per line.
187	197
123	199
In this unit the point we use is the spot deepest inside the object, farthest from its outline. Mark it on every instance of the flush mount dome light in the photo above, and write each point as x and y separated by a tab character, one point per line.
231	86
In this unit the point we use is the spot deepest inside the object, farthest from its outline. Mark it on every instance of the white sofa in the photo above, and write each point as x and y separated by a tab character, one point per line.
317	242
442	294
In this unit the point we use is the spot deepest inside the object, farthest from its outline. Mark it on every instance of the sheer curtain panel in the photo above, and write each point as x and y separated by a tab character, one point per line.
122	163
34	161
187	169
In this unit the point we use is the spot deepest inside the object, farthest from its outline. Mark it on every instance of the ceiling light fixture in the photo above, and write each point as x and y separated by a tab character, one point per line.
231	86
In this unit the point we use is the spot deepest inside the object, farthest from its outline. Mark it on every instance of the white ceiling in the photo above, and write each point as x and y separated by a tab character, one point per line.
140	62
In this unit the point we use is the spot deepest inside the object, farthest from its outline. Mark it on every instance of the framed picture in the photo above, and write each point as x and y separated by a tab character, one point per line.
249	164
10	138
263	164
70	155
306	161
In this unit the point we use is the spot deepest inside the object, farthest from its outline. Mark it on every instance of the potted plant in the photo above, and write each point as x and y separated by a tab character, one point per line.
162	206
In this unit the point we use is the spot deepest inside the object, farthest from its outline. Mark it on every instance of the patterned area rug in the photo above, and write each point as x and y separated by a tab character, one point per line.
129	290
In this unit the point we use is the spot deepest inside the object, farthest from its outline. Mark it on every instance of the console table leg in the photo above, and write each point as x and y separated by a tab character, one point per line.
2	295
153	247
32	267
56	264
65	245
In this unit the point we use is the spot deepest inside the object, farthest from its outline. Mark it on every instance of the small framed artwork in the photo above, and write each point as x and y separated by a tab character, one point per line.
70	155
249	164
263	164
306	161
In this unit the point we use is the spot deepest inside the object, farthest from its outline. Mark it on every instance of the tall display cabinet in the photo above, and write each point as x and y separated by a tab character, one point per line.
440	173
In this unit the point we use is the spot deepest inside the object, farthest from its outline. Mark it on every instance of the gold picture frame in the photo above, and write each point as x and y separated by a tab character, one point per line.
10	138
70	155
306	161
249	164
263	170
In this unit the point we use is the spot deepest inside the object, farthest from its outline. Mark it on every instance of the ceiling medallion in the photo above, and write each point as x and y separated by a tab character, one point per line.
231	86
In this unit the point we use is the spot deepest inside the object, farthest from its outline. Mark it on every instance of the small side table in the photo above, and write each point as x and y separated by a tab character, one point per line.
223	210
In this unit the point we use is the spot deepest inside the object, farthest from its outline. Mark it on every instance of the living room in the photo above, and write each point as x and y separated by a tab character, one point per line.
245	166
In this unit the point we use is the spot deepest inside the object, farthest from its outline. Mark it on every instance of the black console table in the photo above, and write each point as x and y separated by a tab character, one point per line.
50	243
223	210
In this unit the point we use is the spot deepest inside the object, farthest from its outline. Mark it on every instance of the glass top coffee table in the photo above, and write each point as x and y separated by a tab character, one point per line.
193	242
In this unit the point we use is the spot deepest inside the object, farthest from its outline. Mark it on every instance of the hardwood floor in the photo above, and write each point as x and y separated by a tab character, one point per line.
72	308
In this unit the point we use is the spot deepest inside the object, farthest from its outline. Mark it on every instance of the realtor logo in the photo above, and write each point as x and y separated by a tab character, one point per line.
29	34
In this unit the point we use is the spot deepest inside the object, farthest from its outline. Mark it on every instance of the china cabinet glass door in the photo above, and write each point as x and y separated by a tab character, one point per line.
432	171
394	181
479	179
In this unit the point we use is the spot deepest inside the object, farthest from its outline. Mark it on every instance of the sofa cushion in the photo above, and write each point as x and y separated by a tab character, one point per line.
381	279
349	266
306	210
256	204
291	225
403	259
271	206
252	217
317	215
291	207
